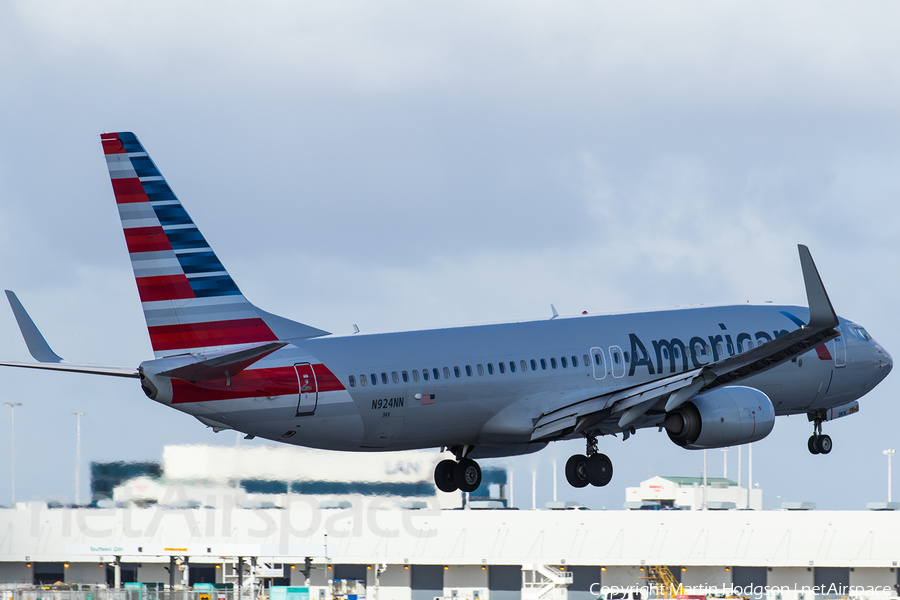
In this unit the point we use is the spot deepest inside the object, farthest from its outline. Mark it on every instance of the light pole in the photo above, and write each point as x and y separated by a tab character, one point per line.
889	454
78	416
12	438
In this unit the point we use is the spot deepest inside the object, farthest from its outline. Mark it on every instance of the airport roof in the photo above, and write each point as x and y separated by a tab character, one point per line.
689	481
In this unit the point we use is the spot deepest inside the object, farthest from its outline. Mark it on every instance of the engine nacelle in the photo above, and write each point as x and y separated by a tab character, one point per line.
728	416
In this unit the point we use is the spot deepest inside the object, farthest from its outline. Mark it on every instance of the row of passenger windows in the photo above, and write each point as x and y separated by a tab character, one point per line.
523	365
448	373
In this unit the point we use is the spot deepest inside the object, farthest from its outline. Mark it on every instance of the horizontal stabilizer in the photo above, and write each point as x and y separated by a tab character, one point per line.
222	366
49	360
77	368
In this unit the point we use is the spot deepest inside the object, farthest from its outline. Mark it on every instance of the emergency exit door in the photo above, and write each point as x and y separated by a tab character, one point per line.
309	391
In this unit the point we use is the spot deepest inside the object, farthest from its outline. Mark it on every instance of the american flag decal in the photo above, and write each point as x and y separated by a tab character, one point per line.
427	399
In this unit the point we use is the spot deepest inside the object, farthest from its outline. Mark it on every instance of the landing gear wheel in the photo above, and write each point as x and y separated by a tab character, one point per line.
576	468
823	445
443	476
467	475
813	444
599	469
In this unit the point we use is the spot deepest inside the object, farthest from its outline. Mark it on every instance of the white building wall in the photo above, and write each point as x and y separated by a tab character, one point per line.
465	580
706	576
623	577
155	573
90	573
395	584
790	576
16	573
868	577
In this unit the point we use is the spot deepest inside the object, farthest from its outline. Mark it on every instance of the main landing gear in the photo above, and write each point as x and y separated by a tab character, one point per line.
595	468
460	474
818	442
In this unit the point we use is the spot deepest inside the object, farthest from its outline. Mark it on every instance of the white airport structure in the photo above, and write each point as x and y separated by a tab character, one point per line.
690	493
348	543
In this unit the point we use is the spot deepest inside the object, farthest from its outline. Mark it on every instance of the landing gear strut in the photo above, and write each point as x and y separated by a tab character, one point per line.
460	474
819	443
595	468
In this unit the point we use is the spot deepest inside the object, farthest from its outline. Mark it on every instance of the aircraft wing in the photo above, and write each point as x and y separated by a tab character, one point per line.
630	404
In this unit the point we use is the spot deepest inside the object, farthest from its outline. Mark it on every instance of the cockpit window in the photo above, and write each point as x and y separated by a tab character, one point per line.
862	334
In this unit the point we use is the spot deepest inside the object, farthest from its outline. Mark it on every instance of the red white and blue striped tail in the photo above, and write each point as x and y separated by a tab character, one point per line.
190	302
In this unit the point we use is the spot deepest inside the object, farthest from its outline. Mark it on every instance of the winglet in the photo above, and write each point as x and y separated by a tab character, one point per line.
821	313
37	345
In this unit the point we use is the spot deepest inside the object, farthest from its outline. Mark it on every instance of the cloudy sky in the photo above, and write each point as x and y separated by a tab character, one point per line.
406	165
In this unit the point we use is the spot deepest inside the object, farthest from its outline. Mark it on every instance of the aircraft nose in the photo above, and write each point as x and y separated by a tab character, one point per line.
883	362
887	362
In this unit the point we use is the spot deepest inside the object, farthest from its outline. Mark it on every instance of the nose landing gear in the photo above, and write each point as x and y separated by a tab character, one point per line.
460	474
818	442
595	468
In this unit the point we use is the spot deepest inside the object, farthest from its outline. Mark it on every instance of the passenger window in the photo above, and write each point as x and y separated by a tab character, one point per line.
446	372
586	360
616	357
676	352
552	363
490	368
524	365
456	371
405	376
384	378
543	364
574	361
665	354
749	345
597	359
480	369
362	380
502	367
730	349
374	379
394	377
565	363
533	365
425	374
415	375
719	348
436	373
512	366
352	381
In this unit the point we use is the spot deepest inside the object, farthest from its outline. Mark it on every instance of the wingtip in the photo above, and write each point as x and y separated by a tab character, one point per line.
821	311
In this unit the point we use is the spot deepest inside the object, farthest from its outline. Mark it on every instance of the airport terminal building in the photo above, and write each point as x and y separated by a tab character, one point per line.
403	549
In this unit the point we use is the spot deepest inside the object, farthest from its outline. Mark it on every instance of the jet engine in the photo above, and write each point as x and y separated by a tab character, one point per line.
728	416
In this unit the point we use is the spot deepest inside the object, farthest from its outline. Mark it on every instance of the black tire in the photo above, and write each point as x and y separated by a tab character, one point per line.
824	444
576	468
813	444
467	475
599	470
443	476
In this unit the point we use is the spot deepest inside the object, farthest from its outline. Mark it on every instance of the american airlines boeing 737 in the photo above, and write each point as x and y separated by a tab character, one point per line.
710	376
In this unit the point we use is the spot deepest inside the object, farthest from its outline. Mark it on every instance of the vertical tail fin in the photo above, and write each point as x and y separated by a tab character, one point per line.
190	301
